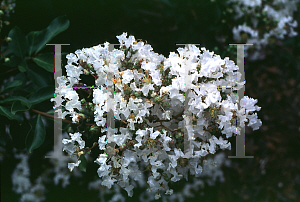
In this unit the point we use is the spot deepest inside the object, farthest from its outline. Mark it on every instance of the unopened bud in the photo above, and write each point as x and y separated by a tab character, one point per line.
6	60
86	72
6	22
69	129
137	93
81	116
8	39
157	99
94	129
1	12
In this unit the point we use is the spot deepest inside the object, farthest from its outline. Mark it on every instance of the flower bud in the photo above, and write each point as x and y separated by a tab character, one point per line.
90	105
6	22
69	129
157	99
81	116
86	72
8	39
137	93
1	12
94	129
83	101
90	66
6	60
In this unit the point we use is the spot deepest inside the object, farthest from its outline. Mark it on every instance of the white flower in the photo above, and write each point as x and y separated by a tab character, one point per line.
120	139
146	88
128	42
249	103
108	182
127	76
102	142
101	159
253	121
167	115
75	119
135	110
72	165
157	196
129	156
154	135
169	192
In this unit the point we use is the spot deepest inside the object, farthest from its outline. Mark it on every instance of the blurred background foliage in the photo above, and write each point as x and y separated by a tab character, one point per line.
274	81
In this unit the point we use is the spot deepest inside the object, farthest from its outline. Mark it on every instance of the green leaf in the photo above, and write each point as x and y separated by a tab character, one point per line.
42	94
5	50
11	85
18	44
82	165
6	112
23	66
51	112
36	136
37	39
46	61
19	106
39	76
17	98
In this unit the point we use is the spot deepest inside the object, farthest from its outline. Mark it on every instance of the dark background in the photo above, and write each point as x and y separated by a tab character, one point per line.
274	81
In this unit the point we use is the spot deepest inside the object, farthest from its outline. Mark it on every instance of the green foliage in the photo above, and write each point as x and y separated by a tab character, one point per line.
4	111
38	76
11	85
38	39
31	87
46	61
82	165
23	66
42	94
36	135
19	44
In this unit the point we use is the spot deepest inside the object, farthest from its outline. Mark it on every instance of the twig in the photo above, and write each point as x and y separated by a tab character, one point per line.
50	116
9	70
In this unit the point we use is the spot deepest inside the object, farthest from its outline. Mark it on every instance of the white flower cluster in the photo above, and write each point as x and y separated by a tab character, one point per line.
36	191
278	15
21	181
212	172
149	82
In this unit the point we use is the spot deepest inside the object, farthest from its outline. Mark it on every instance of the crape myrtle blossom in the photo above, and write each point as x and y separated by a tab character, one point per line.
149	96
262	21
36	191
